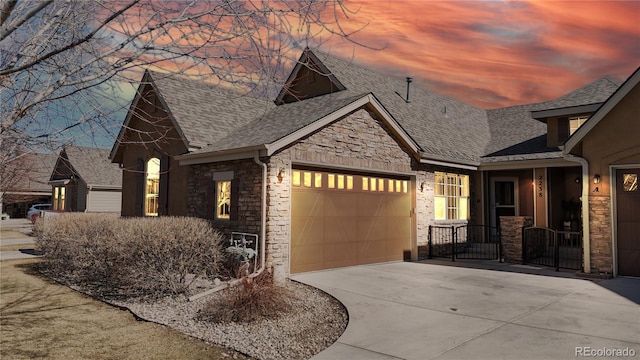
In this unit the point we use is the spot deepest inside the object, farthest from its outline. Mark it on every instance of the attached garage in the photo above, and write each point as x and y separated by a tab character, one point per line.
627	195
344	219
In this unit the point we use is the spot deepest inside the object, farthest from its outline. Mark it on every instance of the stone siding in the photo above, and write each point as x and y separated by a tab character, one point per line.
600	234
358	140
249	175
511	232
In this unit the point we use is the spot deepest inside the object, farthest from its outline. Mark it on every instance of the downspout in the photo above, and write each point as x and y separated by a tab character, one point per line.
263	232
263	226
586	250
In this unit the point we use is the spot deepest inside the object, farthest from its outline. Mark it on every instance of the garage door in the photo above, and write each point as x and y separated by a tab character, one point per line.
343	219
628	214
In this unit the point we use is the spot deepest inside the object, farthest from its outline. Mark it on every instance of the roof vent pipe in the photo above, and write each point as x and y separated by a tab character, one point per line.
409	80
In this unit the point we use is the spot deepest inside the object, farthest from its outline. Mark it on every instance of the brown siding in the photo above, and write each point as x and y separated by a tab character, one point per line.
153	137
614	141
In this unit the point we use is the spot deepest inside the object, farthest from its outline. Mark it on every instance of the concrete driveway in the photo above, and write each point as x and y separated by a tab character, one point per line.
424	311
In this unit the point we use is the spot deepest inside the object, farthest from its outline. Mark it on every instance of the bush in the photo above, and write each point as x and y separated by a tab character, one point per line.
129	257
252	300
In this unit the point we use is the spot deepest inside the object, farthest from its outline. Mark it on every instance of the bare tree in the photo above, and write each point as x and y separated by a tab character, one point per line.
62	63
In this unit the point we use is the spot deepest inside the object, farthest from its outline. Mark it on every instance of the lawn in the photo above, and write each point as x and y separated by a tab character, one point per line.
42	319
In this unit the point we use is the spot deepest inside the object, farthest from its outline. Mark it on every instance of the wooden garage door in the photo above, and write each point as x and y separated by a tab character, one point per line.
628	214
346	219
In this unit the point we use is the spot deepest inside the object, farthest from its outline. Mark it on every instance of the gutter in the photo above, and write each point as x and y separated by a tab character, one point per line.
263	233
586	241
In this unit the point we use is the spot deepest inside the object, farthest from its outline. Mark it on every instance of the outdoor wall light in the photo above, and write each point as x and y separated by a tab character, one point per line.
423	186
577	179
596	179
280	175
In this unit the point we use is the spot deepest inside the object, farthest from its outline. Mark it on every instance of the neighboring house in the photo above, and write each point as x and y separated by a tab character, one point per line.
84	180
25	182
355	166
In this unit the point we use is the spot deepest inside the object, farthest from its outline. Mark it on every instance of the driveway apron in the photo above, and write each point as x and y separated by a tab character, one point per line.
422	311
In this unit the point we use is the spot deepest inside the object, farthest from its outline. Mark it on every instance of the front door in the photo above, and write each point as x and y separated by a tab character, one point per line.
503	199
628	221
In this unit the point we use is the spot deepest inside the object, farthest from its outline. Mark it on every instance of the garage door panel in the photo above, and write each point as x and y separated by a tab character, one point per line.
341	204
308	229
334	227
307	202
308	257
370	204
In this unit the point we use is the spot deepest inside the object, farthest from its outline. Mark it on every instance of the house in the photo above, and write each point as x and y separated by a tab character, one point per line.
84	180
25	183
347	166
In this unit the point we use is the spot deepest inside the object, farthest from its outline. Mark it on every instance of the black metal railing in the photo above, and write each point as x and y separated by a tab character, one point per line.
553	248
465	242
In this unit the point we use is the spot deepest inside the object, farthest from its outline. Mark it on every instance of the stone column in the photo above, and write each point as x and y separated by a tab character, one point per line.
511	232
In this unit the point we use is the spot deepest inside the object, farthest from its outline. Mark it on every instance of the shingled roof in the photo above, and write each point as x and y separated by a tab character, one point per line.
205	113
218	120
517	135
92	165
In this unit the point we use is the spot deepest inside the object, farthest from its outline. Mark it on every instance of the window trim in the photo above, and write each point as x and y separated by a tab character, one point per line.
151	195
452	202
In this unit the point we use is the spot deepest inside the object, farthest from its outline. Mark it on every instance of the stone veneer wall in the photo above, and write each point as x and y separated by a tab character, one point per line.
358	140
248	173
511	232
600	234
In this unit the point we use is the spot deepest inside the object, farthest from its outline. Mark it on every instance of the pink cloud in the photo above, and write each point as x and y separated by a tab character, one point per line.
494	54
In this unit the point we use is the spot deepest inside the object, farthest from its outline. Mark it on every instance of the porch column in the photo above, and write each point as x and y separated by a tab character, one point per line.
511	235
540	197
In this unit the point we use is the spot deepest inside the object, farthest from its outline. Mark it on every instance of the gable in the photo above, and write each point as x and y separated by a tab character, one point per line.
63	169
148	122
623	105
309	78
360	139
617	134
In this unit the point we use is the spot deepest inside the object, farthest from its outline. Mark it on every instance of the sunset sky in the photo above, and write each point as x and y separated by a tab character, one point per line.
496	53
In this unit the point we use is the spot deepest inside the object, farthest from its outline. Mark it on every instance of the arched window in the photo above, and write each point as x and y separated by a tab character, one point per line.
152	187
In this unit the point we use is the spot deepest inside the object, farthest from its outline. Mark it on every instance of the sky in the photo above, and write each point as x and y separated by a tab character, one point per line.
495	53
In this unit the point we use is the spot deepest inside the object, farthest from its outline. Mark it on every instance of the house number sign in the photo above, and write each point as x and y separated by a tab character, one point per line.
540	185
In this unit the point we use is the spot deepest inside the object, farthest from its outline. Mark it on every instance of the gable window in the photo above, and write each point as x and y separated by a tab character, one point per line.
152	187
575	123
58	197
223	200
451	201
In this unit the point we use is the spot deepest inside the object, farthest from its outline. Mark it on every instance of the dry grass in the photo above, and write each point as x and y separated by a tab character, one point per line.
41	319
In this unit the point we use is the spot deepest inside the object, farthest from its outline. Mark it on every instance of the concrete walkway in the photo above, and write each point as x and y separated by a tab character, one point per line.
424	311
14	232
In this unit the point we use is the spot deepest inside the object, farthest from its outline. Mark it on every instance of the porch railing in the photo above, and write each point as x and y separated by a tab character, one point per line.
553	248
465	242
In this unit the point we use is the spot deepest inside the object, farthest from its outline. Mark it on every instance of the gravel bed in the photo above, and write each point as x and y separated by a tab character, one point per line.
315	322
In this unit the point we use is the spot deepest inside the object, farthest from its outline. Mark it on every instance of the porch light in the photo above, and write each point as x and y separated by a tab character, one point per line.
577	179
423	185
280	175
596	179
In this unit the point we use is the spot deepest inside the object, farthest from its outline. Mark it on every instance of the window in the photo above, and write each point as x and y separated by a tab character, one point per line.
451	201
58	197
575	123
630	182
223	200
152	187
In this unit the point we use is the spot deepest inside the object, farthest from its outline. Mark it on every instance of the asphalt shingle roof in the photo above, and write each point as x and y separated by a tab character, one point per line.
217	119
282	121
93	166
436	122
30	173
592	93
204	112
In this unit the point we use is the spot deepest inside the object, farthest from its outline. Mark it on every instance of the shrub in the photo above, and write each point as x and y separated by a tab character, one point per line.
252	300
129	257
